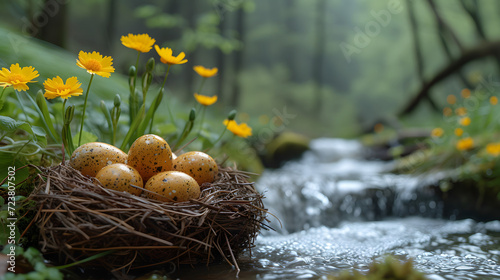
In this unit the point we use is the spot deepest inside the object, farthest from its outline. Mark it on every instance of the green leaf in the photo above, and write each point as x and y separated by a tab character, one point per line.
146	11
149	115
87	137
132	131
167	128
10	125
105	111
42	104
42	118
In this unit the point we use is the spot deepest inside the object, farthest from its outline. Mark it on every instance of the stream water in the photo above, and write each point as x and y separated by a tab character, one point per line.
339	211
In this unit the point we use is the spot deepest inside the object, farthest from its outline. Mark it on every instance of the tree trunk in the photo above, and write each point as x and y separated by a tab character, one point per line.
52	23
319	48
110	25
289	57
220	60
445	31
417	49
238	58
190	13
483	50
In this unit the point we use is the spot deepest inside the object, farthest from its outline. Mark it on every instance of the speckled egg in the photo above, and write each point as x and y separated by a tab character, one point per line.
121	177
173	186
198	165
91	157
150	154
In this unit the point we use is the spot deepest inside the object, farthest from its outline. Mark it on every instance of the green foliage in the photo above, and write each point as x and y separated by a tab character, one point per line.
390	269
35	259
478	160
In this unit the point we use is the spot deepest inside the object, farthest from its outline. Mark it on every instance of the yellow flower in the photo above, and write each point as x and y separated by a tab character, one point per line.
465	121
95	63
167	57
205	72
378	128
17	77
465	93
460	111
205	100
493	149
465	144
447	111
493	100
140	42
57	88
241	130
459	131
437	132
451	99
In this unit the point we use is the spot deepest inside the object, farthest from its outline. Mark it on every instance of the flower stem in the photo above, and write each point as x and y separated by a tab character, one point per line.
84	107
19	151
202	119
168	105
218	139
21	104
64	106
137	63
201	85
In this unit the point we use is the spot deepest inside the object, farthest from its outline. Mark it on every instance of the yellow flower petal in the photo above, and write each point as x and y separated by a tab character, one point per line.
95	63
460	111
205	72
140	42
241	130
167	57
57	88
493	149
459	132
493	100
437	132
451	99
17	77
465	93
205	100
447	111
465	144
465	121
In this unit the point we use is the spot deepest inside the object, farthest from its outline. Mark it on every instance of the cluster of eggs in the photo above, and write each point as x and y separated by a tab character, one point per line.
149	165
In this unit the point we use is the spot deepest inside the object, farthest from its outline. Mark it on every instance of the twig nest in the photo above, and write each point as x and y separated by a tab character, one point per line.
78	218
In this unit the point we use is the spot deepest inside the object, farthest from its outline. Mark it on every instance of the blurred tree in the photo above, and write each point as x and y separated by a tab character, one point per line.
51	21
238	58
111	19
456	62
319	50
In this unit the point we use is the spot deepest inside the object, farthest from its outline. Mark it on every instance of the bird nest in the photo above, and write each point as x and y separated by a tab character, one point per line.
79	218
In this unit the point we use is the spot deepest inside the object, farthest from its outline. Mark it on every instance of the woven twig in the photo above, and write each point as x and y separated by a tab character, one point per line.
79	218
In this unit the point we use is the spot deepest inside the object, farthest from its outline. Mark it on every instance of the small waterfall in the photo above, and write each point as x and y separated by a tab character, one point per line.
334	183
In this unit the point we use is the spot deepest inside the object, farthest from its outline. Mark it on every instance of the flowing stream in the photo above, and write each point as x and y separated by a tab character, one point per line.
339	211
